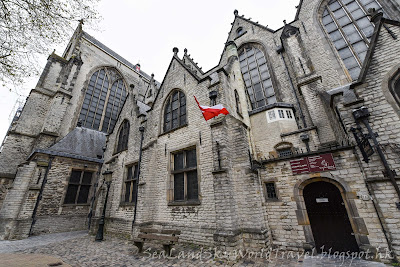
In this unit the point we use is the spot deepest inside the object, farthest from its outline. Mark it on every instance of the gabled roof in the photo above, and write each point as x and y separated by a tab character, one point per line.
81	143
114	54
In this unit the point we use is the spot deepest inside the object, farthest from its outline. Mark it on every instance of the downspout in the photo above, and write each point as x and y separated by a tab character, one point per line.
376	207
280	51
141	129
40	195
90	215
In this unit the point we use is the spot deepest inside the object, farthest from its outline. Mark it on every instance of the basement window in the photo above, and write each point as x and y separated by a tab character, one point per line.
270	191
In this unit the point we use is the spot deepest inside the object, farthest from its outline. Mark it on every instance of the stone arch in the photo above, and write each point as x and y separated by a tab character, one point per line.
357	223
387	86
351	51
84	88
163	106
114	76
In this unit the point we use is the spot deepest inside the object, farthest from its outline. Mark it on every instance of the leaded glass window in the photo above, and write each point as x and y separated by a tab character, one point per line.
104	97
184	170
271	191
131	184
78	187
256	77
175	111
350	30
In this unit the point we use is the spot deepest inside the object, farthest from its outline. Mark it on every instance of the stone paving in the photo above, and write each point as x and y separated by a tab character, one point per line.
80	249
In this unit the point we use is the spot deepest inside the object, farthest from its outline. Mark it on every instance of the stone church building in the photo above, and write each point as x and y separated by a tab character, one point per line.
307	158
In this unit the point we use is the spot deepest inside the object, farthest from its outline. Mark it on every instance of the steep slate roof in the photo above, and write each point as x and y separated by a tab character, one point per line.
114	54
81	143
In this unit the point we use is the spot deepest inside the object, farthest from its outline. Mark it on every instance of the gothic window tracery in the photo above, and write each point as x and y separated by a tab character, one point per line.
104	97
257	77
350	30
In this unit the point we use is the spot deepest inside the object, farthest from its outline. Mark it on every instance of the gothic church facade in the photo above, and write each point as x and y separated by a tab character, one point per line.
307	157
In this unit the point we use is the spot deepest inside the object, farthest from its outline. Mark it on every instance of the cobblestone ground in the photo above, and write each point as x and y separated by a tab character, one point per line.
80	249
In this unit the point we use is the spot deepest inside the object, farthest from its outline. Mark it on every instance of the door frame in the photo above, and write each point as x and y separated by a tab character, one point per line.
357	223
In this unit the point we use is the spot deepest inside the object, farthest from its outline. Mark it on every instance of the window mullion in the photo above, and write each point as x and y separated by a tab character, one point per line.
170	109
79	188
98	102
344	36
354	22
131	191
105	106
185	197
91	97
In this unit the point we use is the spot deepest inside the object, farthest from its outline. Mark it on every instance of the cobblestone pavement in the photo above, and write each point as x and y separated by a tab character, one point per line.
79	249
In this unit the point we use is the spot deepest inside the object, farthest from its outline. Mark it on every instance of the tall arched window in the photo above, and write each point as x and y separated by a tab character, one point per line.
123	136
350	30
237	102
175	111
394	87
256	77
104	98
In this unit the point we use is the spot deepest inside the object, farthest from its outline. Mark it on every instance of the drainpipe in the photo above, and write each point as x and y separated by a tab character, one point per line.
90	215
362	114
389	172
141	129
280	51
40	195
376	207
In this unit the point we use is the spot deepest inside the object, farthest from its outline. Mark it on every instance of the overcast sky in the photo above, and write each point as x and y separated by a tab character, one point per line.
146	31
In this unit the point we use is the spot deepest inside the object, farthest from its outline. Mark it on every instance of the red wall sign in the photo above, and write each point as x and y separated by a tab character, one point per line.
317	163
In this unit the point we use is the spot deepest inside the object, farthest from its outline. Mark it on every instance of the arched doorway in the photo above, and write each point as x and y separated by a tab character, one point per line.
328	217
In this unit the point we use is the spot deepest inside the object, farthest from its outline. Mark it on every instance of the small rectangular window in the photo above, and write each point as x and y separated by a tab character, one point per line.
271	115
79	186
281	114
270	191
289	114
285	152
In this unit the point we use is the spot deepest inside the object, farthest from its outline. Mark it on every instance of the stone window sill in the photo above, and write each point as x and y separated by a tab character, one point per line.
185	203
74	205
127	204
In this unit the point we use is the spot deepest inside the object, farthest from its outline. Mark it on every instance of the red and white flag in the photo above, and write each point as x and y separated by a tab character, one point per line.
211	112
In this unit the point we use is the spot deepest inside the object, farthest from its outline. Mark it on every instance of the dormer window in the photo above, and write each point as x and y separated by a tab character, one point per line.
239	31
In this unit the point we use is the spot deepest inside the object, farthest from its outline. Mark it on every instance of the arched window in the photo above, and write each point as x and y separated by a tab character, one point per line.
256	77
175	111
237	102
350	30
239	31
395	87
104	98
123	136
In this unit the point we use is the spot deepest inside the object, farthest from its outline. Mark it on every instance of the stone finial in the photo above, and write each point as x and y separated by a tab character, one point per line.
175	50
236	12
152	75
185	50
374	15
79	124
284	21
81	22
